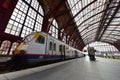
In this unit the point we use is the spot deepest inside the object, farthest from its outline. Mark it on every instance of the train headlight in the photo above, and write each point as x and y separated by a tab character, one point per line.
22	51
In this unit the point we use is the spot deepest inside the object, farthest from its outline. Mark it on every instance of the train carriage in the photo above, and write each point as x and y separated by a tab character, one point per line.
40	46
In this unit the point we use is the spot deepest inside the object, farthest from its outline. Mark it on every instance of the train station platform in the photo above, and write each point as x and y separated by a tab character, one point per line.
76	69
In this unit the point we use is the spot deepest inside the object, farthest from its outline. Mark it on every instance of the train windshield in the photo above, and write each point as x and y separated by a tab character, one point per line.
28	38
41	40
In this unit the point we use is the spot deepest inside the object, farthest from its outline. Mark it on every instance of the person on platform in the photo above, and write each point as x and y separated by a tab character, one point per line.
91	53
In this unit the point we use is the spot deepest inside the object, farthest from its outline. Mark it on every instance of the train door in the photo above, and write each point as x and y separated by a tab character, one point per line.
62	50
51	46
54	48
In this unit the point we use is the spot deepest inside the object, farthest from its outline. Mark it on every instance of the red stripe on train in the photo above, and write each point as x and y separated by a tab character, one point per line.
31	54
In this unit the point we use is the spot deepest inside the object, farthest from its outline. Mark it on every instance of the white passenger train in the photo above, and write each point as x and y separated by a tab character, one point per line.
40	46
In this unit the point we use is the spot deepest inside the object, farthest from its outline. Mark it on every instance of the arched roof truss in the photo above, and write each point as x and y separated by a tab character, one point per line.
88	20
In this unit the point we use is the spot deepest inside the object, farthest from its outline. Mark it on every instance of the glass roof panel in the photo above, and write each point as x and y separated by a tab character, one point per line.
89	39
89	33
100	15
115	22
116	19
114	29
118	14
107	40
87	30
113	39
89	15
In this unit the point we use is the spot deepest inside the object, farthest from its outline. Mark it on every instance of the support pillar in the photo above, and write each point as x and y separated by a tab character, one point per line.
1	42
59	34
117	46
45	24
9	48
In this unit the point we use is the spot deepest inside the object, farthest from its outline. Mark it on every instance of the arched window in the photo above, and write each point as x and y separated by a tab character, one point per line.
5	47
102	48
64	38
54	29
14	45
26	17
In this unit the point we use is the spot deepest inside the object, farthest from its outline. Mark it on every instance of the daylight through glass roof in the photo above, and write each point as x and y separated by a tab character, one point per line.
97	19
89	17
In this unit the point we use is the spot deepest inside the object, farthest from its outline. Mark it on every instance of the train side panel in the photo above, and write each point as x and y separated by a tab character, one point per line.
43	47
36	48
52	48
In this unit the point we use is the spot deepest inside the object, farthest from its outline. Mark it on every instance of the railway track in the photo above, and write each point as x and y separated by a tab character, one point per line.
6	68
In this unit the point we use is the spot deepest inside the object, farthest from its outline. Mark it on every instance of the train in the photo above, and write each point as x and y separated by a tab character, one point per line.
40	46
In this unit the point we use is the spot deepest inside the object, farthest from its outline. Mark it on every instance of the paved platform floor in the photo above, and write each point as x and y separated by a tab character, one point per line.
79	69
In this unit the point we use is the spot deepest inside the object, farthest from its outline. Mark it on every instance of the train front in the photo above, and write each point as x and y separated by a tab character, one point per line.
21	54
22	48
32	48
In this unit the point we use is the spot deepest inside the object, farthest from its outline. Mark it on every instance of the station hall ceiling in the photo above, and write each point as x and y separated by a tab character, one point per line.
87	20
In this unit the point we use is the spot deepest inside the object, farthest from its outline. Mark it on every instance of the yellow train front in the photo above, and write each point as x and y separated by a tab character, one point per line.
39	46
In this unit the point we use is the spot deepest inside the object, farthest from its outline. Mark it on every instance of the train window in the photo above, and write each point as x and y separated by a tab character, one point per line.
50	46
54	46
60	48
64	48
28	38
40	39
